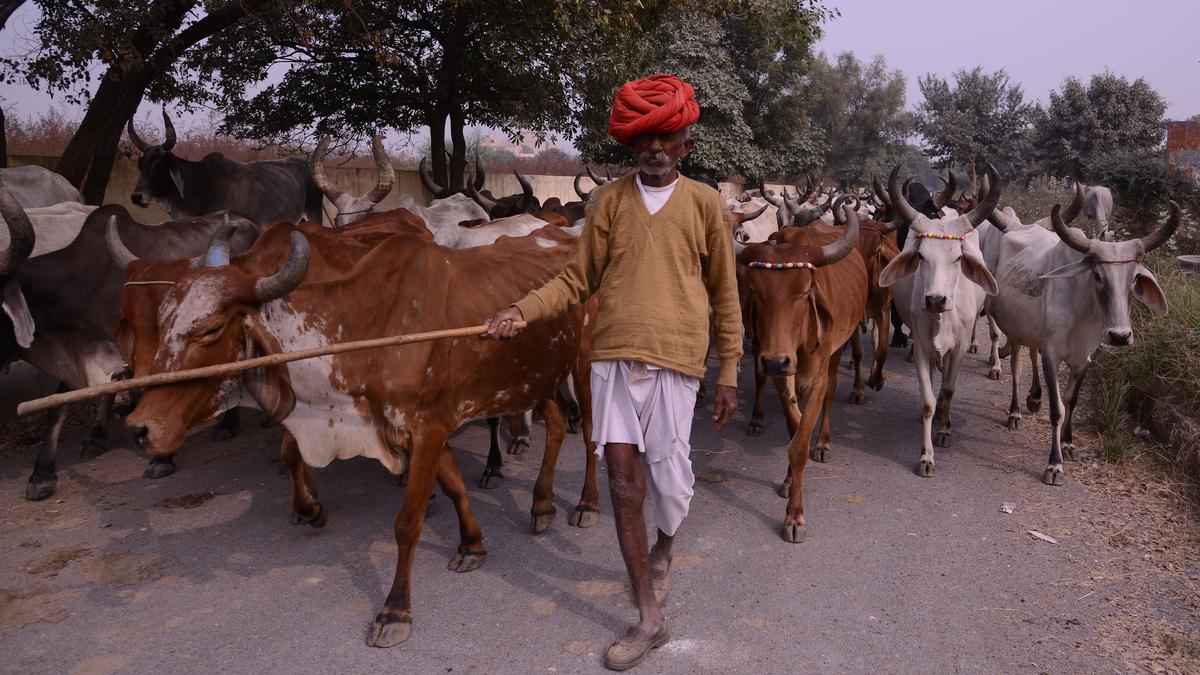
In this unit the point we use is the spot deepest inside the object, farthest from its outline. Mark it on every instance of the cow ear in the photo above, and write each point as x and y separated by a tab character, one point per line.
176	176
902	265
1146	289
16	309
271	387
976	270
1069	270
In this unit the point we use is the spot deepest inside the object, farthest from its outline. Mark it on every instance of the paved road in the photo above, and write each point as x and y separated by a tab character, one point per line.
202	572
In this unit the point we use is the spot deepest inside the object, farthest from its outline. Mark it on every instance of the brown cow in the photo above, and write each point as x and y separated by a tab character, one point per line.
877	246
809	289
397	405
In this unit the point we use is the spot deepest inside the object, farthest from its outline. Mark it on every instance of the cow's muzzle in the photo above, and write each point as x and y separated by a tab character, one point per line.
776	365
936	303
1120	338
140	199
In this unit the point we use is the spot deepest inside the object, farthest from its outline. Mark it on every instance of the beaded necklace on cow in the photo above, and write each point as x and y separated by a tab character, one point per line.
939	235
758	265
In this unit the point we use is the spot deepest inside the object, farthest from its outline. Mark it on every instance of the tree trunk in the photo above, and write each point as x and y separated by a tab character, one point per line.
458	151
974	176
88	159
437	147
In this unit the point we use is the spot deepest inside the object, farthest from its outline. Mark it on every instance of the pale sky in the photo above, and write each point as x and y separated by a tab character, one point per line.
1038	42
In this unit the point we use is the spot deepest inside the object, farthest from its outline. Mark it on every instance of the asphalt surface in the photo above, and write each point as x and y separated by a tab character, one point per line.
202	571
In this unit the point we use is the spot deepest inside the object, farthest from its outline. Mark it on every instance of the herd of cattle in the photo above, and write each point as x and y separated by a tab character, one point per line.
245	268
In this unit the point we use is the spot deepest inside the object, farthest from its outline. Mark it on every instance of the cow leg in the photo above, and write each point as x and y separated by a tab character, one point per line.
756	415
1034	401
945	396
925	467
1074	384
97	438
785	388
228	425
520	427
856	357
305	507
899	339
542	512
574	412
470	554
794	521
1054	468
883	323
822	452
44	478
974	348
492	477
1014	406
994	356
393	623
587	511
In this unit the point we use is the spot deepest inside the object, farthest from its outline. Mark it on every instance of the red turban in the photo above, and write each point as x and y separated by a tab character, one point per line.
660	104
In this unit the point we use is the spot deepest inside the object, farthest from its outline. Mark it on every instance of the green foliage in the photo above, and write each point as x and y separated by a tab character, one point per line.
981	117
1142	183
861	114
1083	123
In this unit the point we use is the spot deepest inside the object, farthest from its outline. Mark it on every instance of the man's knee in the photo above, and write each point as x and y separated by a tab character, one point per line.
625	475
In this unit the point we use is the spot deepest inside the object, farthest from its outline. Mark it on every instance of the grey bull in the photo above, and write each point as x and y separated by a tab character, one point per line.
34	186
1098	205
61	309
1065	294
266	192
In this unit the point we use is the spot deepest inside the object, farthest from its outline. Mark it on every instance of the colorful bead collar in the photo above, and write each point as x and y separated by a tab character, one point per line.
938	235
780	266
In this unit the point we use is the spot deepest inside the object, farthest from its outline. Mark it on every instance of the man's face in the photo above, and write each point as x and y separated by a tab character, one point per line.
658	154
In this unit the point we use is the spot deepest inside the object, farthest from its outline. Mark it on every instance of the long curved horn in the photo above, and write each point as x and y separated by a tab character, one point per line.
1075	207
133	136
116	247
289	276
771	199
880	192
896	194
810	186
838	217
826	206
480	174
316	165
831	253
528	203
596	179
21	235
943	198
168	131
433	188
484	203
387	175
746	217
988	204
1161	235
218	246
1072	238
1001	221
582	195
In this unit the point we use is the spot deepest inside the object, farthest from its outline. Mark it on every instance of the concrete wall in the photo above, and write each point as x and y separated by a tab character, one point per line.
354	180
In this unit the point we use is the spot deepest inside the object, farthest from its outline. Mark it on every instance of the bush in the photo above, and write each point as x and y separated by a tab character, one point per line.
1142	184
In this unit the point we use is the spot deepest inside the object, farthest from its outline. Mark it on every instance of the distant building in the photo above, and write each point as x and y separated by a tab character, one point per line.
525	149
1183	147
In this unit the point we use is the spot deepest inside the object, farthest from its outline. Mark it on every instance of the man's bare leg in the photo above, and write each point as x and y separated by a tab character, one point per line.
627	486
660	562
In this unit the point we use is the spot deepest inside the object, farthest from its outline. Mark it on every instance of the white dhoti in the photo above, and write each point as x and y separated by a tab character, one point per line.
650	407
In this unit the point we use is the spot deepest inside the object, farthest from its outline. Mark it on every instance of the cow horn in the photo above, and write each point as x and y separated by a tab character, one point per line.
825	207
316	165
831	253
387	175
945	196
485	203
988	204
771	199
880	192
21	235
168	131
754	214
137	140
810	186
431	186
1161	235
480	174
596	179
582	195
897	200
838	217
116	247
1001	221
1073	238
1075	207
289	276
218	245
528	203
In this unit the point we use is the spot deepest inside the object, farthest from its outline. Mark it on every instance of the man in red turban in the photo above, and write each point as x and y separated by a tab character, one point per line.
656	244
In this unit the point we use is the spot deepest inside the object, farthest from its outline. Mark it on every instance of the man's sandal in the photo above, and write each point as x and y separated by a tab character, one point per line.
629	651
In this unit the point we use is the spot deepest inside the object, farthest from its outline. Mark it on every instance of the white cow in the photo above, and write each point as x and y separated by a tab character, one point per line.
1066	295
34	186
55	226
940	281
1098	206
753	221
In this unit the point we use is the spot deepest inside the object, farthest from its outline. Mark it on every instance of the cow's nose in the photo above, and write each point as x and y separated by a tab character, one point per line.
776	365
935	303
1120	338
138	198
140	436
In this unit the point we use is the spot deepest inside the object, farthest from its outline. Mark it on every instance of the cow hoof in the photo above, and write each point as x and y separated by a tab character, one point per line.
388	632
318	521
1053	476
96	443
755	428
1068	451
820	454
159	470
1014	422
584	517
1033	404
925	469
794	533
542	522
518	446
901	341
973	349
994	374
37	490
942	439
875	382
574	425
856	397
491	479
466	561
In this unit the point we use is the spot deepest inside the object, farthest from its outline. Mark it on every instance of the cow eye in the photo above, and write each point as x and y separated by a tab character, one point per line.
958	259
211	333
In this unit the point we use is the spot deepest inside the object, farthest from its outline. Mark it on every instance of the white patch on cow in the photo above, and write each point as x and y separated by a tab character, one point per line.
587	318
545	243
54	227
181	316
488	233
429	371
395	416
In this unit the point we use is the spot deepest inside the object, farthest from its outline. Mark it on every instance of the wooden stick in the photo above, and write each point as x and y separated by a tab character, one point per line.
222	369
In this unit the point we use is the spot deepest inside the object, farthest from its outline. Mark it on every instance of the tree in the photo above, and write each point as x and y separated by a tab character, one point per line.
1142	183
861	113
1109	115
982	117
137	43
748	62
